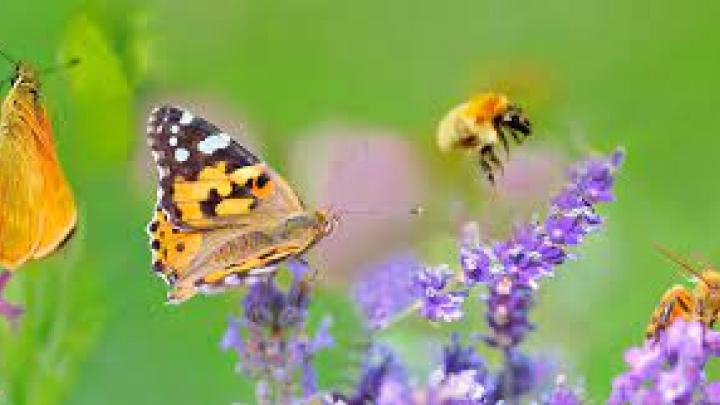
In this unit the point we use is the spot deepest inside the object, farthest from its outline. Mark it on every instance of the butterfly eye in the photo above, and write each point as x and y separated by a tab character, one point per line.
330	223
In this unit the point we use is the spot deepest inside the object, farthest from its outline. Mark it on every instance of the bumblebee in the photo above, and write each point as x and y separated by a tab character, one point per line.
479	124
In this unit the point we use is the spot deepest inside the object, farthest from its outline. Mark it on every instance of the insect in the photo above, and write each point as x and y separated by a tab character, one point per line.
223	217
701	304
478	125
37	208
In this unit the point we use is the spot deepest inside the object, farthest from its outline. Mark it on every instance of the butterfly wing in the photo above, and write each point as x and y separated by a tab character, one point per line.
173	249
37	207
218	207
20	187
208	180
194	260
58	203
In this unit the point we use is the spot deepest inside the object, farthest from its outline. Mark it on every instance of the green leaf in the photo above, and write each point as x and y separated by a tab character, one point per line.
100	98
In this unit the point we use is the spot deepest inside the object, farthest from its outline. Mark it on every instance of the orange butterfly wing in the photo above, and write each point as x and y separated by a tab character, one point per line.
59	211
20	187
37	209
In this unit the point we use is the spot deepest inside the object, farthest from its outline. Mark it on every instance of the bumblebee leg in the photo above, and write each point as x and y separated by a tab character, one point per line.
492	158
675	303
519	139
486	168
503	140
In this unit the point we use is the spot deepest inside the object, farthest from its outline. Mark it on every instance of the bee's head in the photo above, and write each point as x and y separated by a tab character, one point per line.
516	119
708	289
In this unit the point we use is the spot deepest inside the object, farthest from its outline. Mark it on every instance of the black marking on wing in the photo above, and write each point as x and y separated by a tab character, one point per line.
173	129
189	134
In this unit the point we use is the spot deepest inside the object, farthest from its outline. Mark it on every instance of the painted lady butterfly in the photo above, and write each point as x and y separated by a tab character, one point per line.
222	215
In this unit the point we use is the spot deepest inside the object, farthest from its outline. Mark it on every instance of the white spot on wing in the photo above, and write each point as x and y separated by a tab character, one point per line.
181	154
259	271
213	143
172	141
232	280
175	129
186	118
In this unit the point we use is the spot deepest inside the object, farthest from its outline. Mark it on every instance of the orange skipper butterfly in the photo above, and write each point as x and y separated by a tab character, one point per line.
37	208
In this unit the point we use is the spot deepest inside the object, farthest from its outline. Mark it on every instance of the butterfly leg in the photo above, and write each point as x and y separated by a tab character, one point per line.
302	260
181	293
675	303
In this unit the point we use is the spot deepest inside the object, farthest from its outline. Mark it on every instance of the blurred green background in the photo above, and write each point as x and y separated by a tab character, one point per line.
642	74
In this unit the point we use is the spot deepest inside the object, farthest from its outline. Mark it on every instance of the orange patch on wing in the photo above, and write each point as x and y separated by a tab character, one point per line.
172	248
262	191
243	174
190	212
234	206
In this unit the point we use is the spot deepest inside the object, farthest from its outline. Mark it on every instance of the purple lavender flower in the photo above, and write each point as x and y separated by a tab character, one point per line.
711	393
387	289
438	304
383	381
10	311
474	259
512	268
562	395
669	369
507	311
534	250
462	378
271	340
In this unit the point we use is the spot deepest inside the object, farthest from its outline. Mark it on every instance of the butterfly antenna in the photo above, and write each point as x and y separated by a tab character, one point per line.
684	264
67	65
344	212
7	57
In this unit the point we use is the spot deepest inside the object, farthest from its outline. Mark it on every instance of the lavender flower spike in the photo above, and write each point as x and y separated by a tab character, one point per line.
387	289
562	394
670	369
511	269
272	342
383	382
462	378
437	303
